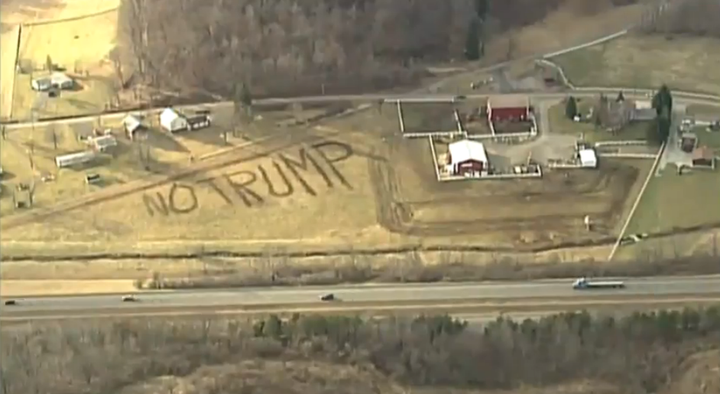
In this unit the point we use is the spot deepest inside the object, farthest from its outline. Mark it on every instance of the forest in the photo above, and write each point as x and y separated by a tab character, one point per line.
294	47
639	353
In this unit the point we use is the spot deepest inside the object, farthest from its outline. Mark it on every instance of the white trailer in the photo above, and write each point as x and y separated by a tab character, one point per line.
74	158
585	284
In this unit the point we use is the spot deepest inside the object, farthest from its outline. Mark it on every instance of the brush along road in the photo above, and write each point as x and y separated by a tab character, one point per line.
375	297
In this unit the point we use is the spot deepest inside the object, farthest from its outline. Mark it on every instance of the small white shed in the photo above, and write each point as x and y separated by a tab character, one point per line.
133	124
173	121
56	79
588	158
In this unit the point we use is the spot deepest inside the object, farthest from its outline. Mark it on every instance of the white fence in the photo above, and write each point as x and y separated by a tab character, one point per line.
435	134
628	155
601	144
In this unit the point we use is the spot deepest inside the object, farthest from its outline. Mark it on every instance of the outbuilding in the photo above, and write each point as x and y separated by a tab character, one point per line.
508	108
173	121
74	158
133	124
104	143
468	157
703	157
588	158
55	80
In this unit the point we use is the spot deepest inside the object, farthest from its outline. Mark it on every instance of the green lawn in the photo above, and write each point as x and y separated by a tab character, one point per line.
673	201
711	111
710	139
560	124
647	61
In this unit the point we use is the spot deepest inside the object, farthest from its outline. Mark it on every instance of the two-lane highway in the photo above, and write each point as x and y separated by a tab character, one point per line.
387	295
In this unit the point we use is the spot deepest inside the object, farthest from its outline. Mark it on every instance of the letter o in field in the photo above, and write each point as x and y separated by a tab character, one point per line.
184	191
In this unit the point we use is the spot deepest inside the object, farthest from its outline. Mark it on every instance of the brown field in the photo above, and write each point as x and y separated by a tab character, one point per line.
372	189
79	46
8	46
641	61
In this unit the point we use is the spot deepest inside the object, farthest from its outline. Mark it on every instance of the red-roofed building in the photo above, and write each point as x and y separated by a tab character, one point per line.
508	108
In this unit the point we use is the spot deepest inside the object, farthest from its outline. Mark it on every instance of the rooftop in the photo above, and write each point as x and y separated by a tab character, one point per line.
465	150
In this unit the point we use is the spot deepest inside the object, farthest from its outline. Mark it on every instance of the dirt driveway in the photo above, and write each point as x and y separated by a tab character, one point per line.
545	147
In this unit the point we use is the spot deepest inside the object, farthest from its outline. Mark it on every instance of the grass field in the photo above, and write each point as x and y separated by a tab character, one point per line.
384	194
641	61
428	117
80	47
704	111
559	123
672	201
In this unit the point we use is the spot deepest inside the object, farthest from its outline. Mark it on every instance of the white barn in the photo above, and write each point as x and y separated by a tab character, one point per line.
468	157
173	121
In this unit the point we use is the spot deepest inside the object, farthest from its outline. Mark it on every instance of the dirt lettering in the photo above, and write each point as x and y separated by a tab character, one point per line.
253	187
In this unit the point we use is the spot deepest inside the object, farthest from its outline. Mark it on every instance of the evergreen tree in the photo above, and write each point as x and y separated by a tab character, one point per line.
472	43
245	96
620	97
662	99
481	9
571	109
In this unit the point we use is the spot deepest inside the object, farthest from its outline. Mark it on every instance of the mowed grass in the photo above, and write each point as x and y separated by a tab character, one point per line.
674	201
80	47
647	61
560	124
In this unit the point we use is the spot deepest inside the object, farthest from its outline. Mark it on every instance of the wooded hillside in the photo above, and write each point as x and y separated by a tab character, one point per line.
639	354
286	47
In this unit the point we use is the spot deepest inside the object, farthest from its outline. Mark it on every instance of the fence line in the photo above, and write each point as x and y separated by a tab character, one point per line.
637	202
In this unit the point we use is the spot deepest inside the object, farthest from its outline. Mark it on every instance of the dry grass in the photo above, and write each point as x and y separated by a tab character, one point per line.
294	377
641	61
561	29
8	46
338	214
25	288
29	11
69	183
81	47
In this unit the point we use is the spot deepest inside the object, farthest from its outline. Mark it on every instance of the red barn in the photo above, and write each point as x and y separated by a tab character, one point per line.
508	108
467	157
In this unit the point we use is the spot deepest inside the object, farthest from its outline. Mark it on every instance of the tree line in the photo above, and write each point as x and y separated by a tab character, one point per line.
639	352
292	47
689	17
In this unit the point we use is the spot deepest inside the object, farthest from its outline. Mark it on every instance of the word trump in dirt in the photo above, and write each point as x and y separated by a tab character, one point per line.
286	175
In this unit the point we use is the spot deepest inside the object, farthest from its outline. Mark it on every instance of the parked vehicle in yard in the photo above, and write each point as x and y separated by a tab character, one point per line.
585	284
